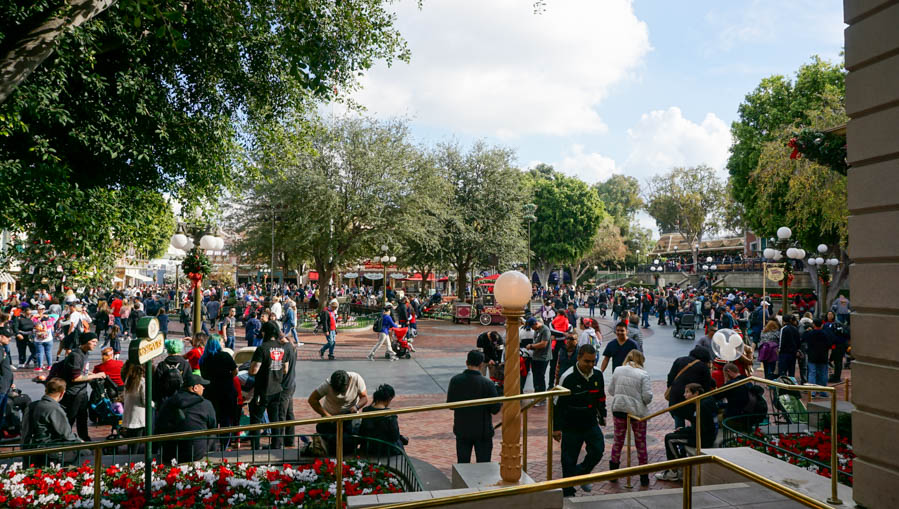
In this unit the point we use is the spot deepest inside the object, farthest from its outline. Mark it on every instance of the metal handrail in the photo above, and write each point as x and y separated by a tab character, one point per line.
696	400
339	420
686	463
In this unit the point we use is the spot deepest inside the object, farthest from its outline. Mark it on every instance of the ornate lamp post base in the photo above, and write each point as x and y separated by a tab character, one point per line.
510	454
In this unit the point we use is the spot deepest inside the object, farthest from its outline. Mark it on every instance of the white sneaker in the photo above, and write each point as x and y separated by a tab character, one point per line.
300	343
668	475
393	358
587	487
371	357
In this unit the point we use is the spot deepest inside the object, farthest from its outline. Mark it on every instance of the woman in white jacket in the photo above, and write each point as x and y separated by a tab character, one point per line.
631	392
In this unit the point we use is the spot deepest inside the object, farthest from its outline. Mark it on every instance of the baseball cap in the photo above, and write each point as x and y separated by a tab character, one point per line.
191	379
531	322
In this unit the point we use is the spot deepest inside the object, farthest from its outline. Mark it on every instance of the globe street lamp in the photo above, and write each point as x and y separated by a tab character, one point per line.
384	261
824	275
784	249
513	292
529	216
207	242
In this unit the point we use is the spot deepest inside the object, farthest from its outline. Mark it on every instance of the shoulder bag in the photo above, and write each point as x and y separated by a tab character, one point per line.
679	373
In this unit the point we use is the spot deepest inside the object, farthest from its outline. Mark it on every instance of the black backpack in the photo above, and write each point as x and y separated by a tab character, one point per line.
378	325
170	378
756	407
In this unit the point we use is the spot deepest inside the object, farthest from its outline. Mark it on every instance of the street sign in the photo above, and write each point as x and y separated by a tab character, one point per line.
144	350
775	273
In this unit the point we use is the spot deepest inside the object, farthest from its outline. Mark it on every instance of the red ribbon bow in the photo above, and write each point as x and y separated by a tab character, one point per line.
195	278
795	146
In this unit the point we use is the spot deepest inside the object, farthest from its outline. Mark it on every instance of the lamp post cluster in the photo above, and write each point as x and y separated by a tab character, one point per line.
824	270
656	269
384	261
207	242
786	251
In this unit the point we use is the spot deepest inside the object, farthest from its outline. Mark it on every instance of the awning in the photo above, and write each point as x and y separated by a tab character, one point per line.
5	277
374	276
351	275
417	277
492	277
139	277
398	275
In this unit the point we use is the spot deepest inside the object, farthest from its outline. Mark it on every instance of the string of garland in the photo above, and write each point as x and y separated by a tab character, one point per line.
824	148
196	262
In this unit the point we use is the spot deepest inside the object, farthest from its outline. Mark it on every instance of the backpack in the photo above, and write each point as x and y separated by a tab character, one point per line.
378	325
170	378
757	407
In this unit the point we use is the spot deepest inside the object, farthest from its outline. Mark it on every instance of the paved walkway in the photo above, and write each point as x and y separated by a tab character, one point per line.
441	348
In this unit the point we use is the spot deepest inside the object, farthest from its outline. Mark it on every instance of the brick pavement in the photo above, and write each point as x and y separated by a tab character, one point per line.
430	433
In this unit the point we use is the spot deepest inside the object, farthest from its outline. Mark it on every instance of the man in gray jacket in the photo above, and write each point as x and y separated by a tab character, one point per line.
45	423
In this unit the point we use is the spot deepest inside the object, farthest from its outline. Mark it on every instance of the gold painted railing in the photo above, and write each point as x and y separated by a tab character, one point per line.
686	464
834	460
98	446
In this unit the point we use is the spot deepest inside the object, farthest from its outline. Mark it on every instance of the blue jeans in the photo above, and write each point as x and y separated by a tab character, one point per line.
817	374
572	441
43	350
292	330
230	341
646	319
329	346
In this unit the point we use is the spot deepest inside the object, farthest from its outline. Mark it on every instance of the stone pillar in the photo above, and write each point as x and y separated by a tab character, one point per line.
872	103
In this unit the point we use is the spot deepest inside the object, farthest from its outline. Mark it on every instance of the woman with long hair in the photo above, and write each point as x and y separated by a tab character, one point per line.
768	345
217	366
631	392
385	429
134	422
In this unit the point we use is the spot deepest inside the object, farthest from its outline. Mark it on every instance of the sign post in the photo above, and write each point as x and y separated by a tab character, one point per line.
150	343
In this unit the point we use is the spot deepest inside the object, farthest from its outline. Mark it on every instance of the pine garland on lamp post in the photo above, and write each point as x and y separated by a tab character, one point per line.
196	266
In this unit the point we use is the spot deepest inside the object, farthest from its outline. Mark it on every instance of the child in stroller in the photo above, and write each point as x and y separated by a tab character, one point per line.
401	346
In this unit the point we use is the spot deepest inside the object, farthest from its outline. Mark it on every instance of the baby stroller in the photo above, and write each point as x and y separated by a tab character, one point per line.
102	409
685	326
400	345
788	403
16	404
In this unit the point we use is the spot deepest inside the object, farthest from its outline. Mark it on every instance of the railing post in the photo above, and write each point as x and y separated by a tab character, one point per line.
338	469
549	439
524	441
688	487
698	440
846	392
834	461
627	434
98	475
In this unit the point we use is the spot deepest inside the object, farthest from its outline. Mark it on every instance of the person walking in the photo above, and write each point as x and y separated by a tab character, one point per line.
328	320
631	392
74	374
818	343
229	327
473	426
578	417
134	423
768	341
268	367
6	369
383	326
567	355
290	322
788	349
617	350
541	353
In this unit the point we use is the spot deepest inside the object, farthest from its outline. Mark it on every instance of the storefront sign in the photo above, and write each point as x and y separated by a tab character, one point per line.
775	273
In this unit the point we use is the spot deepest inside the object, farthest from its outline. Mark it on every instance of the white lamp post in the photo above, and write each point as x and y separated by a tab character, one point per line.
513	292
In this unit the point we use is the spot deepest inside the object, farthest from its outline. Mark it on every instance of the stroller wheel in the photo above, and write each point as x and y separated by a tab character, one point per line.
407	356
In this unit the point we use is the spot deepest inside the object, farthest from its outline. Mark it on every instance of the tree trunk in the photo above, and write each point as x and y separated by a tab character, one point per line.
31	50
543	270
577	272
461	280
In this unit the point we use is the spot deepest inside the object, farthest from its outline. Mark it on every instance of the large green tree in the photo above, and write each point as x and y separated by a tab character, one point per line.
776	104
569	213
158	97
687	201
483	223
620	195
333	202
608	247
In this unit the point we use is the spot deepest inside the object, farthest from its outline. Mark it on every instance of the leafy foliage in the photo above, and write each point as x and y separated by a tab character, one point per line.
621	198
46	267
196	262
825	148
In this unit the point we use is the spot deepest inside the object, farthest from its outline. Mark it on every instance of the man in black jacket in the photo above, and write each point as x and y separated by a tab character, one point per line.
44	423
473	426
788	349
693	368
578	416
186	410
818	342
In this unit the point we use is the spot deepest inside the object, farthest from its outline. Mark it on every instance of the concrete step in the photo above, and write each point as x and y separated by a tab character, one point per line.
742	495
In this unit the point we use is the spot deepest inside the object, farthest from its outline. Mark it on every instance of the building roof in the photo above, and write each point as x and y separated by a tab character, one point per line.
671	243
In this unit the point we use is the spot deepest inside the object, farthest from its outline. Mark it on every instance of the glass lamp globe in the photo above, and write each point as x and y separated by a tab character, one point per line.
384	247
811	261
783	233
656	261
778	256
705	267
802	252
708	259
819	261
791	253
220	243
822	248
207	242
769	253
512	290
714	267
189	245
833	262
392	259
179	240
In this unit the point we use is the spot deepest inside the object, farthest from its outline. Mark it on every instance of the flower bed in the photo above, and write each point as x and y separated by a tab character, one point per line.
807	450
194	485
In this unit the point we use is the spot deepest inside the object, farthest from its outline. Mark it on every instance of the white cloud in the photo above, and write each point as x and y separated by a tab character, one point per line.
497	69
663	139
590	167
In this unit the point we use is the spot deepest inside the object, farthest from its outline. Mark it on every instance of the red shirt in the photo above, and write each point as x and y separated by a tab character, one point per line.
116	307
560	323
193	357
333	321
113	370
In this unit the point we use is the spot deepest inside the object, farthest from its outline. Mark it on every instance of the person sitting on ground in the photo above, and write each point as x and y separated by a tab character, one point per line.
385	429
110	366
45	424
676	442
186	410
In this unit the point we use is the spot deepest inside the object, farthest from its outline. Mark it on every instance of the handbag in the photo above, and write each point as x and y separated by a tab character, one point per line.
679	373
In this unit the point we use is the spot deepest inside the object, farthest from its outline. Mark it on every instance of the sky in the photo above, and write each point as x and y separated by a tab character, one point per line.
594	87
